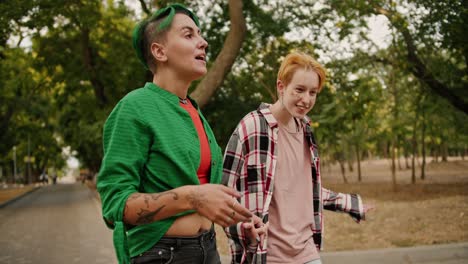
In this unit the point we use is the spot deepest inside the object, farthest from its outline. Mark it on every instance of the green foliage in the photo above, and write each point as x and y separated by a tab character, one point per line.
59	89
26	113
72	80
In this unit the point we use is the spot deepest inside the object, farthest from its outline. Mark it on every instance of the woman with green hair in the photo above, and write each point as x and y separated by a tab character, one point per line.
160	175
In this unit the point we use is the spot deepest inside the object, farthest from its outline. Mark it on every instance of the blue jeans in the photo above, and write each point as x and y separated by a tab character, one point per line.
199	249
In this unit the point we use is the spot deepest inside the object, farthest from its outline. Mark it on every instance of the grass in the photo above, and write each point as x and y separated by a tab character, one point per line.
414	215
7	194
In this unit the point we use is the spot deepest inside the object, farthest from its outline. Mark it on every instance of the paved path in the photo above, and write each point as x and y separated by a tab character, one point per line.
441	254
55	224
62	224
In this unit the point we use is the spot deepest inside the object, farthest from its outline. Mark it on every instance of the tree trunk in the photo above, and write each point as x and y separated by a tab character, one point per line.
393	168
5	119
414	147
350	165
3	44
423	146
226	58
343	171
444	151
89	60
398	156
385	149
144	7
435	151
413	165
417	67
358	159
395	135
406	155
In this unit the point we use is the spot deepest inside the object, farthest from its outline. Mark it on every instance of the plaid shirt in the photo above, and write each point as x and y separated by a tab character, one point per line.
249	167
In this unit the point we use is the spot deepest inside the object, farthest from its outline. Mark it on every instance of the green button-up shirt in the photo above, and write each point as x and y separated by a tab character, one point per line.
150	146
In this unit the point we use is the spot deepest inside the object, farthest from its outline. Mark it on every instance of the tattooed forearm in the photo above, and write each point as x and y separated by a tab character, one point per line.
196	199
145	216
156	196
134	196
146	204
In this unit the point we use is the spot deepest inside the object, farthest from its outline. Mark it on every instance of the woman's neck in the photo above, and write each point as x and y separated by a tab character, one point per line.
280	113
172	84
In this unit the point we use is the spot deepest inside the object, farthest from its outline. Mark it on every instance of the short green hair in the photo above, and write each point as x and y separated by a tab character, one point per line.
163	19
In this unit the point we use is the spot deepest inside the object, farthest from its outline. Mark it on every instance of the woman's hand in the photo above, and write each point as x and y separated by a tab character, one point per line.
215	202
256	231
368	207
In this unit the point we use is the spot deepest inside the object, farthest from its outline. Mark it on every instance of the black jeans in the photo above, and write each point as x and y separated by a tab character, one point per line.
199	249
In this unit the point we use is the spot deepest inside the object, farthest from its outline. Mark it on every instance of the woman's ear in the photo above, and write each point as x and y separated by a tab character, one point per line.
279	87
159	52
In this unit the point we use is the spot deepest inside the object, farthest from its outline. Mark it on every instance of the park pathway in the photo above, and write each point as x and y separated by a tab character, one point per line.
62	224
55	224
435	254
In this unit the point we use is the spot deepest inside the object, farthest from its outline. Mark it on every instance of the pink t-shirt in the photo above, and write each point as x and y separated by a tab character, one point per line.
291	213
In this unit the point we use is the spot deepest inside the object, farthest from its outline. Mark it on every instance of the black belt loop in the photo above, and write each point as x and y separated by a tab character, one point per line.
212	234
178	242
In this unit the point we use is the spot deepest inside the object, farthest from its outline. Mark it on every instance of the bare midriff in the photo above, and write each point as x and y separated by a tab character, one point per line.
189	225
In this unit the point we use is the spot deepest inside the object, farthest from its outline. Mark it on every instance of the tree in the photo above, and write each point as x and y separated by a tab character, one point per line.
26	118
226	57
428	18
80	64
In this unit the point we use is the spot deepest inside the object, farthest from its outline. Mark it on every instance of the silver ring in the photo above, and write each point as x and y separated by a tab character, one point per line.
233	203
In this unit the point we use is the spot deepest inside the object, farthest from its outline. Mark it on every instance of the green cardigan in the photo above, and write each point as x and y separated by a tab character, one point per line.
150	146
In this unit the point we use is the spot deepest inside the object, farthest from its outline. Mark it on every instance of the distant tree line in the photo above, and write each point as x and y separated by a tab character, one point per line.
409	99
